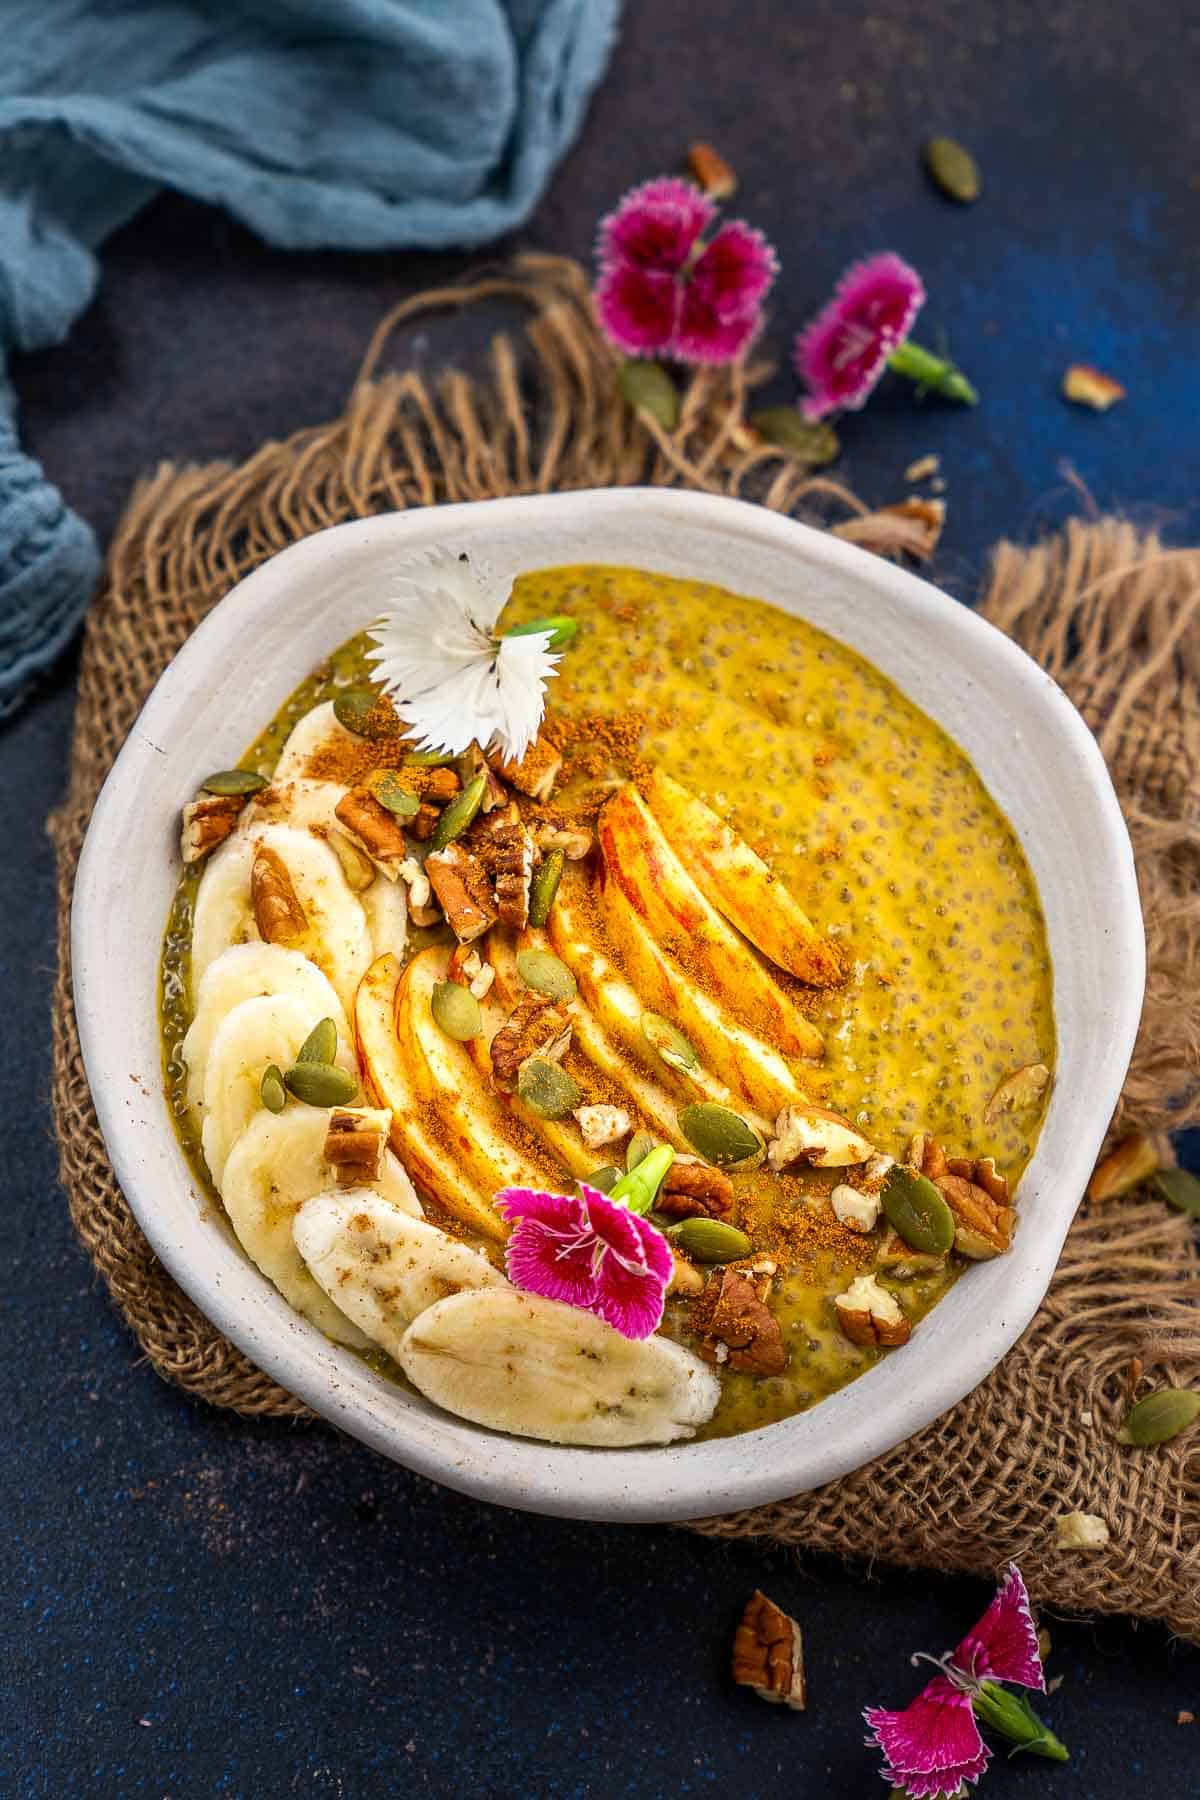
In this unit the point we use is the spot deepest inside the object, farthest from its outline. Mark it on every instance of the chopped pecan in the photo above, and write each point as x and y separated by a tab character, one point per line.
535	773
207	822
602	1125
982	1226
821	1139
685	1276
768	1654
575	841
1126	1166
927	1157
736	1328
355	1141
469	970
513	871
461	885
858	1212
711	173
440	786
535	1027
277	912
423	823
691	1190
901	1260
495	794
1088	386
1018	1091
369	823
868	1314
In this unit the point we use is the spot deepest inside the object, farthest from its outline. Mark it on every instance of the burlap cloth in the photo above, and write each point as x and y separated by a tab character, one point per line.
1113	615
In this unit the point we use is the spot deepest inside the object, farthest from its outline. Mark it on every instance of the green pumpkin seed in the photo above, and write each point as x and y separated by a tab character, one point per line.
917	1211
720	1135
271	1090
544	972
320	1046
546	1089
604	1179
429	759
235	781
456	1010
321	1084
670	1044
638	1149
1180	1190
545	886
561	628
1159	1417
710	1240
810	441
354	708
649	389
459	813
953	168
391	792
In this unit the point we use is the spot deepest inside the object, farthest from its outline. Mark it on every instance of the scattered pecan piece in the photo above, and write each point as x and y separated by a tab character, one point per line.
685	1277
816	1137
440	785
1022	1089
495	794
901	1260
926	1157
868	1314
858	1212
513	873
207	822
277	912
575	841
535	773
369	823
468	969
535	1027
982	1226
462	888
1091	387
693	1190
355	1141
423	823
736	1328
711	173
1133	1161
768	1654
602	1125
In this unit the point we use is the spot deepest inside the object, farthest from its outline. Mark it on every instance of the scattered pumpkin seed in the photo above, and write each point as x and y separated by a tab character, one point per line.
391	792
1180	1190
917	1212
810	441
456	1010
637	1149
546	1089
354	707
234	781
429	759
546	974
710	1240
954	169
719	1134
670	1044
459	813
545	886
1157	1418
649	389
320	1046
605	1179
271	1090
321	1084
561	627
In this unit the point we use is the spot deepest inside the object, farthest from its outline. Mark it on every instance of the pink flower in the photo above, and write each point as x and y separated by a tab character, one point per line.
845	350
934	1745
586	1251
664	292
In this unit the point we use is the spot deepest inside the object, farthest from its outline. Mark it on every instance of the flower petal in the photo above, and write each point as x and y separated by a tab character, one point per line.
843	353
703	338
735	271
630	1300
1004	1644
558	1265
655	226
933	1745
637	310
590	1253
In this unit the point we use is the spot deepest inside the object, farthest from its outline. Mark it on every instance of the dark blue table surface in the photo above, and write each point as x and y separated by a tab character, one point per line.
197	1605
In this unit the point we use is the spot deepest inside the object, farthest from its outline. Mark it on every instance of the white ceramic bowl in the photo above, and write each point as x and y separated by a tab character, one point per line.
1027	742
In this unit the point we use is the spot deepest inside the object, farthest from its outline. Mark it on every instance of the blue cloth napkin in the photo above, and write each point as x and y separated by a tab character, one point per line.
343	124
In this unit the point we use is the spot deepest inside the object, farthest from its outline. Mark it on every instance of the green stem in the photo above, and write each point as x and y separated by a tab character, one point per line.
931	371
639	1189
1013	1717
561	626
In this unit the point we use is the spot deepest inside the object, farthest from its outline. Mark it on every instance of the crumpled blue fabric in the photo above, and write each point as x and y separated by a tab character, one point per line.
341	124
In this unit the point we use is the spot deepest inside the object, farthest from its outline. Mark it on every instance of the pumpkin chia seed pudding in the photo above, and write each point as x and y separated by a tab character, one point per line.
608	1005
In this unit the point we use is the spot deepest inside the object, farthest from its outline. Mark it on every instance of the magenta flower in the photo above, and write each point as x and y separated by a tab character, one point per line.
663	291
586	1251
934	1745
865	330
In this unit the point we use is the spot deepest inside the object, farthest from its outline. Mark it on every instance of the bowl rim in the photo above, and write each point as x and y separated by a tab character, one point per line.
653	1483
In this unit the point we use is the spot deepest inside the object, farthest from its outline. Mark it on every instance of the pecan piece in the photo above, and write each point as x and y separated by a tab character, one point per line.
207	822
711	173
423	823
368	822
736	1328
868	1314
513	873
575	841
355	1141
440	786
535	1027
495	794
768	1654
277	912
468	969
857	1212
602	1125
927	1157
693	1190
461	885
819	1138
535	773
982	1226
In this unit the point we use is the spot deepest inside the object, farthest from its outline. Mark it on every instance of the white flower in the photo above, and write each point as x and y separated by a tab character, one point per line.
451	680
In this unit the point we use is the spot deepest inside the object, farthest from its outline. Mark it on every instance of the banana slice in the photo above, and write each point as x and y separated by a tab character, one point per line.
386	906
518	1363
380	1266
317	730
276	1165
268	1029
244	972
339	939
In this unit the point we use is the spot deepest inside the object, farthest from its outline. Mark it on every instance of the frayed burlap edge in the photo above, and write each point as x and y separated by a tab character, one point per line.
1110	612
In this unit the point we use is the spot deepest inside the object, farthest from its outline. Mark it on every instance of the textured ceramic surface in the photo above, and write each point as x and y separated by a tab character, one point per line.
1028	744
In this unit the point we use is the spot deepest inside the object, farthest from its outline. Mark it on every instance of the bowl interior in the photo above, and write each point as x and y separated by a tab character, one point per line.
1027	743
